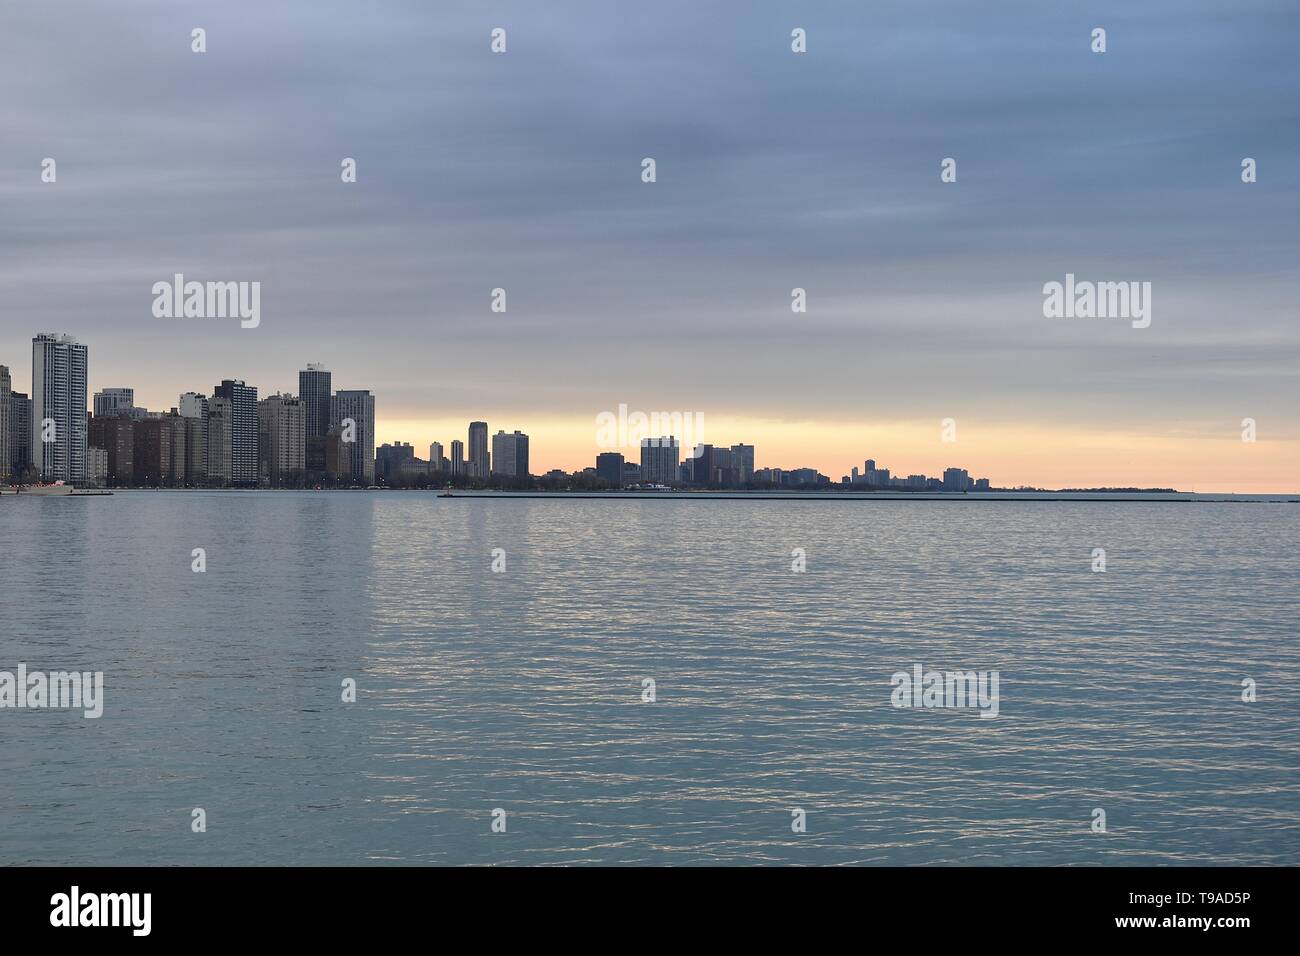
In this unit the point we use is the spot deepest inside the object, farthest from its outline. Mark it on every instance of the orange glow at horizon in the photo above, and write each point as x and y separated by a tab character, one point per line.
1008	455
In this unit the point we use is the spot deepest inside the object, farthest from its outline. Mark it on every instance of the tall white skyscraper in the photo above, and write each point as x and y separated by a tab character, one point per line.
59	370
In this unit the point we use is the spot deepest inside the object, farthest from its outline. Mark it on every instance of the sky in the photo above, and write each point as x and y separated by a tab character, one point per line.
775	170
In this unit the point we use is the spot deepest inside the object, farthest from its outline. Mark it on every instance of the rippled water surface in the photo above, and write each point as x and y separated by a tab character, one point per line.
522	690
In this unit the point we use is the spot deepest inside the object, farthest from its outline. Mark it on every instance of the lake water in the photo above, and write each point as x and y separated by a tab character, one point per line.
522	689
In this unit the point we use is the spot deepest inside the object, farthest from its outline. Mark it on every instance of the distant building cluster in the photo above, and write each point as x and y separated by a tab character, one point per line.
954	479
708	466
505	464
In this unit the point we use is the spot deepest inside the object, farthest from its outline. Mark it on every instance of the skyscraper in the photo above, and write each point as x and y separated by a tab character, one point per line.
435	456
5	415
281	438
314	393
479	461
742	459
510	454
152	452
358	407
243	430
179	452
609	466
20	435
220	445
659	459
59	369
457	457
194	409
956	479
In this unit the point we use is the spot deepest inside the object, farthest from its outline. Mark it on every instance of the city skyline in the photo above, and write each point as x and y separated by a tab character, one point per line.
361	403
774	172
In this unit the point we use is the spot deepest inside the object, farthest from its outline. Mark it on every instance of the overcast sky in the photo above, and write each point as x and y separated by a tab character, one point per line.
775	170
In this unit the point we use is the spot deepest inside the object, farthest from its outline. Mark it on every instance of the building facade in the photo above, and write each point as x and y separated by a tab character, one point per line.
152	452
59	370
510	454
112	402
116	436
479	464
659	460
742	459
314	385
220	448
281	440
609	467
193	408
243	430
20	435
358	408
6	422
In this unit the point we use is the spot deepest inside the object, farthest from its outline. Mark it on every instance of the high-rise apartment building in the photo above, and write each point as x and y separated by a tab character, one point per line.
609	466
337	457
742	459
510	454
702	465
480	464
243	430
357	407
6	416
116	436
59	371
457	457
193	407
314	393
281	439
179	451
435	456
659	460
956	479
20	435
152	452
220	441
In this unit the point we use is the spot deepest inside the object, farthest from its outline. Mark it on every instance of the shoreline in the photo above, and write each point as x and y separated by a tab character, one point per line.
1044	497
